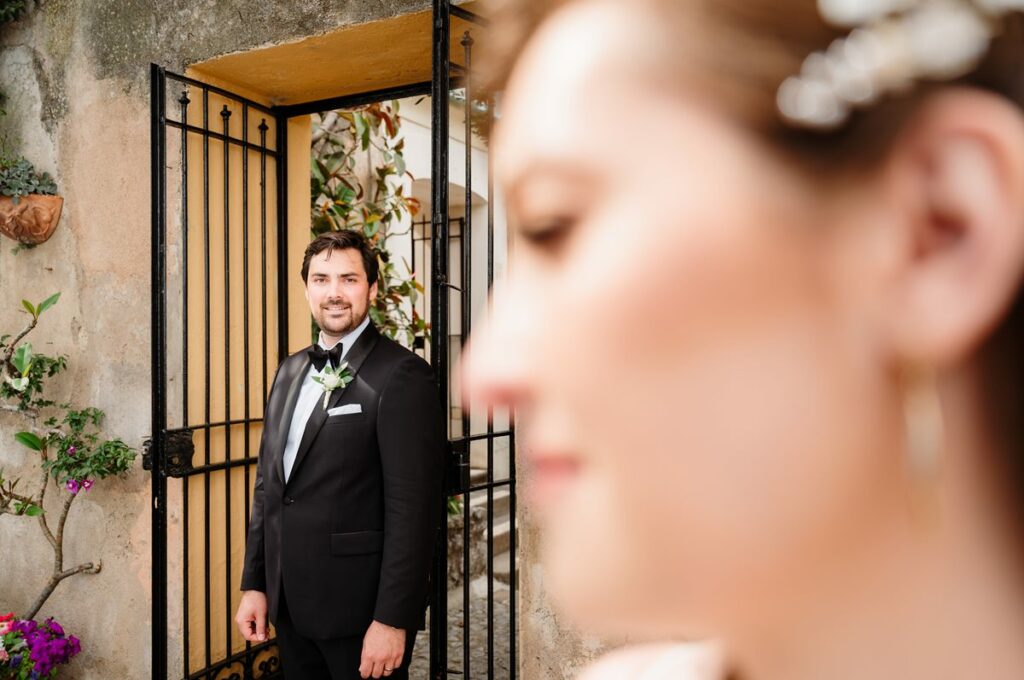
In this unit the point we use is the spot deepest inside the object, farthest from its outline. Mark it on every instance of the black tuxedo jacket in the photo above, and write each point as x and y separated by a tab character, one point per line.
350	537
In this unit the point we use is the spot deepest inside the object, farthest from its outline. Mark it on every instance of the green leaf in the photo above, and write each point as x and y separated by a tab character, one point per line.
28	305
23	358
47	303
33	510
30	440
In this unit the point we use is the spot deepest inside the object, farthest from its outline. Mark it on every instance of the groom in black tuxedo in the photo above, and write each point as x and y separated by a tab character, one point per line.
348	490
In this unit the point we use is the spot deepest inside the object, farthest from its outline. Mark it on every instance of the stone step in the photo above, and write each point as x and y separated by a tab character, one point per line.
502	500
477	476
502	571
502	536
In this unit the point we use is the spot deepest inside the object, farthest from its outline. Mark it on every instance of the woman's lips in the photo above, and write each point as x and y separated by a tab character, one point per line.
550	476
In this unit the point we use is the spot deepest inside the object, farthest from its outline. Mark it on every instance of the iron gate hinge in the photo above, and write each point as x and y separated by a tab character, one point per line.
178	451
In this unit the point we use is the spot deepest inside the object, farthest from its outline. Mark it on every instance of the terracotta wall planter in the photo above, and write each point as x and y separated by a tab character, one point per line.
32	219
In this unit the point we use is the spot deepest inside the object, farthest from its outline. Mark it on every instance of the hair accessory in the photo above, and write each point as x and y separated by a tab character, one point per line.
893	44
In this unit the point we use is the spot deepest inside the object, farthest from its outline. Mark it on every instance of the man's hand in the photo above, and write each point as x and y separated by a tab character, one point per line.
252	616
383	647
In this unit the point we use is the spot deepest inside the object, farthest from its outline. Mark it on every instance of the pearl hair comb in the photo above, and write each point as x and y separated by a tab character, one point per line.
893	44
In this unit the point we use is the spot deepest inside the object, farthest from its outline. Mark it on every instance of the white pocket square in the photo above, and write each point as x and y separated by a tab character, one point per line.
344	409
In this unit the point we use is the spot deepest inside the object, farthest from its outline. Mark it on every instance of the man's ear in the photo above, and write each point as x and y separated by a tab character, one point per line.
373	290
956	179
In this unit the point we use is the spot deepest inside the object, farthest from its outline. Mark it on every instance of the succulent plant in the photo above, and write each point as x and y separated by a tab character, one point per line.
19	178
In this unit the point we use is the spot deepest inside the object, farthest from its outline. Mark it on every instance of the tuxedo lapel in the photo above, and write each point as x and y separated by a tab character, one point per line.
356	356
294	386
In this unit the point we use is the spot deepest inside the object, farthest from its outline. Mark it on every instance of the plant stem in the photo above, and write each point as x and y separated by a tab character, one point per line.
9	350
59	573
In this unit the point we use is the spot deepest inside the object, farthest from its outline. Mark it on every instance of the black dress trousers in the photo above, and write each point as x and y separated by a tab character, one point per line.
303	658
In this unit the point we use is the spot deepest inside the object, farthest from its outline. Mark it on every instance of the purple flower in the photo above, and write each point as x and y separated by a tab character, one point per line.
87	484
73	486
71	450
47	646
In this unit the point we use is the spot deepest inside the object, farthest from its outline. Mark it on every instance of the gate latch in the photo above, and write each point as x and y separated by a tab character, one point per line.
178	451
457	481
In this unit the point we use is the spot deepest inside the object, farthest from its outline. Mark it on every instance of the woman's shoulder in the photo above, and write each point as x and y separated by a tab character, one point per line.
682	661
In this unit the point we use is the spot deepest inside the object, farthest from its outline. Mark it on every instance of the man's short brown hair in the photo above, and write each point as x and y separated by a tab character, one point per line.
344	239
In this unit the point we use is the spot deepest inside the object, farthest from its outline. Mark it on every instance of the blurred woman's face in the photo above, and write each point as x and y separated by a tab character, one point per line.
704	413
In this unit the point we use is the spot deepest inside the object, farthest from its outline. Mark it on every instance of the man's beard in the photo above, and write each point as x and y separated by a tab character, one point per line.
340	327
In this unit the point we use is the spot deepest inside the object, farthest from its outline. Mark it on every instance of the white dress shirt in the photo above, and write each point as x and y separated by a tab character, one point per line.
310	394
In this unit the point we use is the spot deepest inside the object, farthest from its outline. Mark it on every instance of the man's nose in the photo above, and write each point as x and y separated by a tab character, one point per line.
336	289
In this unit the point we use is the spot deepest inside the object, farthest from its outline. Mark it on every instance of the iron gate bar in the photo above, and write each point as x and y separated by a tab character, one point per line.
218	423
470	16
439	90
245	332
206	87
351	101
220	467
219	137
184	101
263	252
206	374
466	279
281	130
490	423
225	115
158	133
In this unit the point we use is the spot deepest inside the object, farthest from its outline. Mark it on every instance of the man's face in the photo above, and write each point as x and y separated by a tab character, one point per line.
338	292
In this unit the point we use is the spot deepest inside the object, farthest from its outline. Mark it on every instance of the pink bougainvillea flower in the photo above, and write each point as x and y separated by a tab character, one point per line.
3	655
87	484
73	486
5	627
71	450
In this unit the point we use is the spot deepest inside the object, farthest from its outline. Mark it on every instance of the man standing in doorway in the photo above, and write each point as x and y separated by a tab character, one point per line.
348	491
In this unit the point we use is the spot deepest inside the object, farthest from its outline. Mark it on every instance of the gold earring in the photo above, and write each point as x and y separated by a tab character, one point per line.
924	426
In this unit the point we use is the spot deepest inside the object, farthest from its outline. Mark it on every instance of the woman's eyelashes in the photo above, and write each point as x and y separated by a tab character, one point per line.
547	235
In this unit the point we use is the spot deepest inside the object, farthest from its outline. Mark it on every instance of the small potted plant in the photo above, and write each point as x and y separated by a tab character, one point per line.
29	206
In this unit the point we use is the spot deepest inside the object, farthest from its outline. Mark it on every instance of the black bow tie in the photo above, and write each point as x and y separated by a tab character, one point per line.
318	355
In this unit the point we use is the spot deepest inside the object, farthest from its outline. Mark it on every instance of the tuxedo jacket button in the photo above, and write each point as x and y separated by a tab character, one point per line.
288	500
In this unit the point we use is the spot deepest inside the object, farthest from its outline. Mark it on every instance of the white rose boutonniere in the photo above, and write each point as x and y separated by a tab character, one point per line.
333	378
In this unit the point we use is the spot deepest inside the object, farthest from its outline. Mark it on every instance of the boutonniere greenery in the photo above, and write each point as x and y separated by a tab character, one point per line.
332	378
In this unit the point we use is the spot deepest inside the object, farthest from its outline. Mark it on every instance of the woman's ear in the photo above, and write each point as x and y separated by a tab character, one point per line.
956	179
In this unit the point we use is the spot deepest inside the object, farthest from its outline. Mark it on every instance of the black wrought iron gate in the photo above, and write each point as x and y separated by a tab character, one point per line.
219	264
